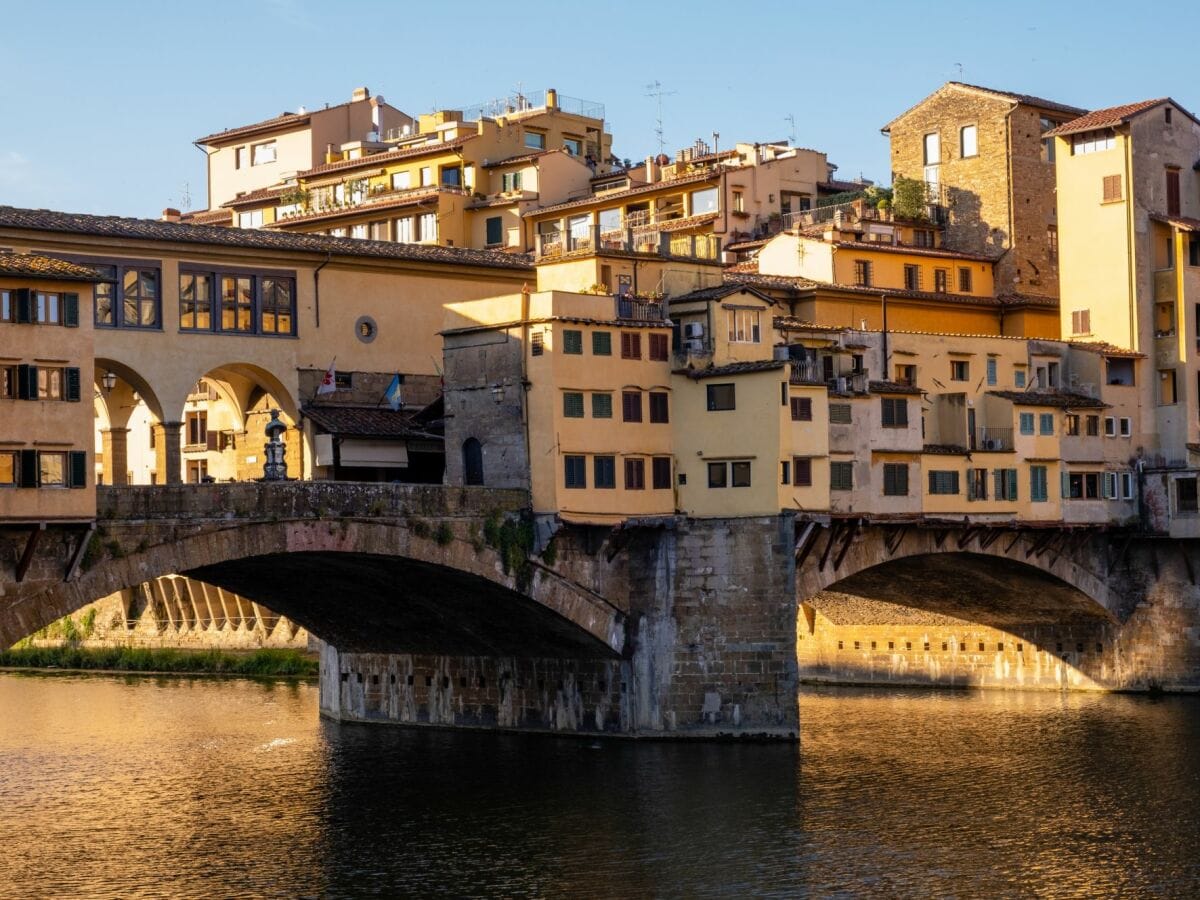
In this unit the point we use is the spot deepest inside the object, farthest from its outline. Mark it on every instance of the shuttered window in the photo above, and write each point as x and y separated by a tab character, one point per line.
895	479
943	482
658	407
801	409
1172	192
575	471
573	405
894	412
841	476
660	468
631	406
801	471
1037	484
1112	188
839	414
658	347
635	474
572	342
631	345
601	343
1005	484
1081	321
601	406
604	470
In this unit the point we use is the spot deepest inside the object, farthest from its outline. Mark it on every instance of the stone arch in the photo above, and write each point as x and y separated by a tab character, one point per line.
130	383
239	381
130	404
402	589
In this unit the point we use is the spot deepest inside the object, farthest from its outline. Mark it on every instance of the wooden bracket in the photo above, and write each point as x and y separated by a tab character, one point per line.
835	527
804	544
851	531
895	539
35	535
77	556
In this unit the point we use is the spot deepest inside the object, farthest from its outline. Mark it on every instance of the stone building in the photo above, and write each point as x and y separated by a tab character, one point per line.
989	166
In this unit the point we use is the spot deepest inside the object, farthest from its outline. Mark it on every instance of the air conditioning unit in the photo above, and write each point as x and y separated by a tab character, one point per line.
991	444
694	346
783	352
841	386
693	330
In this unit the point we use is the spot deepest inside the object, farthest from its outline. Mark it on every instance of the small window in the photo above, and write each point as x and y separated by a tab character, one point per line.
1126	426
801	409
1019	376
494	231
572	342
659	347
895	479
536	343
943	482
785	472
1052	242
992	376
535	140
839	414
635	474
960	370
631	406
604	471
969	141
1110	426
941	278
1092	426
660	472
601	343
744	326
1046	423
841	476
1026	423
573	405
740	473
964	280
631	345
862	273
601	406
263	153
912	278
1081	321
721	397
1166	387
659	411
575	471
802	471
1037	484
932	148
1112	188
718	475
894	412
1071	425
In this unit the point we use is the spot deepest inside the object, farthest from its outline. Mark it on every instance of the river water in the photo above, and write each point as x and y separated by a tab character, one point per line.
174	787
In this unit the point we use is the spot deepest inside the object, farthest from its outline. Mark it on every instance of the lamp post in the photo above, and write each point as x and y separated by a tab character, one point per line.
108	381
274	465
498	393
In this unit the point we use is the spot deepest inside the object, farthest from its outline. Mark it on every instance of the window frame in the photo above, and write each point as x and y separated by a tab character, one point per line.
716	396
257	307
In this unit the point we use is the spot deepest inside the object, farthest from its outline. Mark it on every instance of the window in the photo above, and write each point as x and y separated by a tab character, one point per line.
197	429
404	230
906	373
740	473
535	140
631	345
1081	321
494	231
251	219
1110	426
895	479
894	412
49	382
968	141
1071	425
1172	191
659	347
660	473
601	343
964	280
1112	188
703	201
240	157
1052	242
537	344
1006	484
1081	485
601	406
1166	387
276	305
862	273
1126	426
452	176
47	308
943	482
960	370
127	298
401	181
573	405
991	370
261	154
1037	484
744	326
658	407
1046	423
1126	485
52	468
839	414
8	468
573	146
941	277
635	474
801	409
1019	376
237	303
739	201
604	472
379	231
426	176
912	278
572	342
197	470
1186	499
1092	426
718	475
8	382
802	471
932	147
922	237
721	397
841	476
1026	423
1092	142
785	471
427	228
631	406
510	181
1110	486
575	471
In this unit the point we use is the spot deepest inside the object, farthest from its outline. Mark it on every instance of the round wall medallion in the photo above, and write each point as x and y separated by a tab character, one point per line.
365	329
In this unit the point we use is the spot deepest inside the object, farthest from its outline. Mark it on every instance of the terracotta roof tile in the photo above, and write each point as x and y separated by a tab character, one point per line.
251	238
386	157
629	192
1059	399
1106	349
866	246
739	368
1106	118
892	387
283	120
522	158
32	265
366	421
716	292
1183	223
256	196
208	217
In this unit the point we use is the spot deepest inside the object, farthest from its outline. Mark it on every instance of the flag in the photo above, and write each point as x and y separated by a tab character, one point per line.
395	401
329	382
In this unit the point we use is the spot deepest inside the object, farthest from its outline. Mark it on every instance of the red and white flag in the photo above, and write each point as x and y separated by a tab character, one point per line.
329	382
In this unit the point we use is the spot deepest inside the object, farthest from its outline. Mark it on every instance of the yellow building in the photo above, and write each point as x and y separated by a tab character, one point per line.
45	375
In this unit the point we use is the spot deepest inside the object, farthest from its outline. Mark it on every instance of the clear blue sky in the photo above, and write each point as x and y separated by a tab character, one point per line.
100	101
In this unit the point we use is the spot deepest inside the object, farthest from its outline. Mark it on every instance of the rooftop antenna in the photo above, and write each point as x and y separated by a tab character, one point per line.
520	95
185	200
960	71
656	91
791	120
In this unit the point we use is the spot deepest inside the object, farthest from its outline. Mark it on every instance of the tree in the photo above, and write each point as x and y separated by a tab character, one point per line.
908	199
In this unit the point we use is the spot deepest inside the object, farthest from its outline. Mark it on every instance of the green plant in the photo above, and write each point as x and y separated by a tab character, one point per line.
444	534
91	553
68	631
143	545
115	550
419	527
908	199
88	622
550	553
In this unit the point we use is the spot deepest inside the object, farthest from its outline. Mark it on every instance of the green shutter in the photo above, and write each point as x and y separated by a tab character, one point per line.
1011	478
70	310
24	310
998	484
78	469
71	387
1065	483
29	469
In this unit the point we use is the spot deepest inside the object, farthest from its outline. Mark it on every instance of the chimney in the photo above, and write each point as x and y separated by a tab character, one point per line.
377	115
361	93
551	98
170	214
650	170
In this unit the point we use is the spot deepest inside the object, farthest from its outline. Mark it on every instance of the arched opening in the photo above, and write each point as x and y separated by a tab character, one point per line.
957	619
472	453
128	417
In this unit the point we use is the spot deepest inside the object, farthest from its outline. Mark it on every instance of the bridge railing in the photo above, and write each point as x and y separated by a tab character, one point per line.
301	499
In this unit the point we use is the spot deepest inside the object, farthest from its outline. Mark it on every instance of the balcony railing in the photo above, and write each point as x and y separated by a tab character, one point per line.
987	437
640	310
806	371
644	239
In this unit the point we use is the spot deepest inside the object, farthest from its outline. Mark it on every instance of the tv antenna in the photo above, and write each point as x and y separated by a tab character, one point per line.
185	199
791	120
960	71
656	91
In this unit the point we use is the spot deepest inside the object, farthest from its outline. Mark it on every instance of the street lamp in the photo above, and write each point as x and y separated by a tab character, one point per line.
108	381
498	392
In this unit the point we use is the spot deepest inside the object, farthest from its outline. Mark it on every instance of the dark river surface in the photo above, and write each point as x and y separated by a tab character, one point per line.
173	787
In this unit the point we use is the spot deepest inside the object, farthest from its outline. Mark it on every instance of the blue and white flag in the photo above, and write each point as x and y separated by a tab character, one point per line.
395	401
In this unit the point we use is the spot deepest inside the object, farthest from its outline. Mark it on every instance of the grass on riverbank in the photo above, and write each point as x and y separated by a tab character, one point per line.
144	659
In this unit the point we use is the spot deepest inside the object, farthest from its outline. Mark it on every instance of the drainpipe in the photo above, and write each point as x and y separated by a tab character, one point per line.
1012	200
525	386
884	375
1134	336
317	286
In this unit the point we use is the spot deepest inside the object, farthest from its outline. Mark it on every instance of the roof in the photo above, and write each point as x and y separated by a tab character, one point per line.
1012	97
373	203
892	387
251	197
1106	349
1060	399
740	368
384	157
718	291
208	217
365	421
863	246
523	158
1013	298
687	222
836	186
31	265
283	120
793	323
799	283
629	192
1183	223
252	238
1109	117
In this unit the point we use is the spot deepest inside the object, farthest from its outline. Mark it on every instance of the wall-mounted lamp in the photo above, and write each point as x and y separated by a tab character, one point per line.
108	381
498	392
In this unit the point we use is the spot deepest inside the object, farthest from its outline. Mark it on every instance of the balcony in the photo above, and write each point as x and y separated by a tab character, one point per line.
987	437
1165	285
645	239
806	371
640	310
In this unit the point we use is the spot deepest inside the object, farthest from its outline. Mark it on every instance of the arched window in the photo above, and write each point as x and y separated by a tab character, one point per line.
472	452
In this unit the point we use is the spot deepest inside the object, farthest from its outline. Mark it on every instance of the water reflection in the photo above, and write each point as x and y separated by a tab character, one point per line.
203	788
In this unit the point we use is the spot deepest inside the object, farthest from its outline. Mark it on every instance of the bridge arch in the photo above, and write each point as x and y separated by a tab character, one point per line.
362	585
